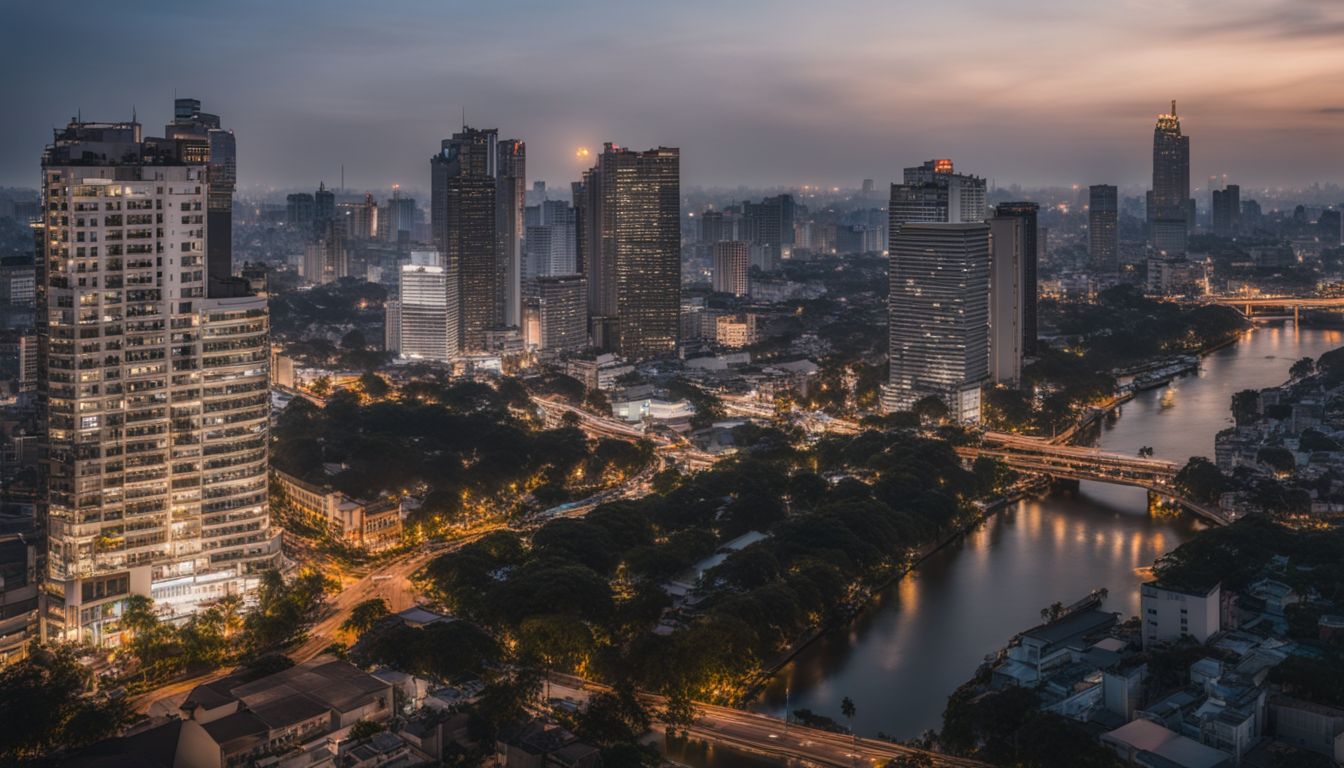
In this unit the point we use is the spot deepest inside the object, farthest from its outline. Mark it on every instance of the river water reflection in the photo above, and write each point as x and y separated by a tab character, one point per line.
927	633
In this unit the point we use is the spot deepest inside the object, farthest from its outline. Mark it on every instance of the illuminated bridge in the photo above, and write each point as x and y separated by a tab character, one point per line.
1249	305
1029	454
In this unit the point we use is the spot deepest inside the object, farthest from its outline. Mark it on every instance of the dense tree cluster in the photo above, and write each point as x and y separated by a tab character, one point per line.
1007	727
221	633
585	594
44	707
469	447
1238	553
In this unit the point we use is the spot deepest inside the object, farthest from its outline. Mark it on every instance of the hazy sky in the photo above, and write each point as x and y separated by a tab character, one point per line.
756	92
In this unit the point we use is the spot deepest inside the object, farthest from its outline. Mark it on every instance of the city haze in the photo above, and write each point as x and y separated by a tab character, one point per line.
757	93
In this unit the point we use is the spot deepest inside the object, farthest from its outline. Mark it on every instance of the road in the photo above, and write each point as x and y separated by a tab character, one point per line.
678	449
391	581
754	732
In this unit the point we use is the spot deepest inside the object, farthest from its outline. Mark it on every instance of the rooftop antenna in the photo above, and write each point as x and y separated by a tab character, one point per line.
1173	107
464	117
342	178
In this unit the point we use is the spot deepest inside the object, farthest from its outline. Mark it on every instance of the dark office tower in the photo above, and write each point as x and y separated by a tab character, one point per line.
324	204
1103	227
711	227
1226	210
769	225
510	173
204	141
1170	209
583	198
462	218
401	218
630	214
299	210
1008	245
938	316
1027	213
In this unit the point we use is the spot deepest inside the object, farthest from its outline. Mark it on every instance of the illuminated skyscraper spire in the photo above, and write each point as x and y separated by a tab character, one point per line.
1170	209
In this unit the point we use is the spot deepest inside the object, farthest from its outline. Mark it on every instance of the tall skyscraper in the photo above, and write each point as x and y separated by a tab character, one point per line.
154	397
549	247
732	258
938	316
1226	210
1027	213
1103	227
933	192
1007	259
463	221
1170	208
630	227
511	170
300	210
425	314
204	141
563	316
769	226
324	205
402	215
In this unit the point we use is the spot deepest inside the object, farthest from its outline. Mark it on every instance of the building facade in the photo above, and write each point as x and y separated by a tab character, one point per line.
1226	210
463	222
1170	208
629	208
1170	614
510	189
1103	227
154	398
425	314
934	192
370	525
938	316
561	313
732	260
1027	296
203	140
1008	246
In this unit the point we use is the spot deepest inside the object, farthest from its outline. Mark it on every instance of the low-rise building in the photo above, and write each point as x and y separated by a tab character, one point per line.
736	331
299	716
1170	613
1309	726
1145	743
372	525
598	372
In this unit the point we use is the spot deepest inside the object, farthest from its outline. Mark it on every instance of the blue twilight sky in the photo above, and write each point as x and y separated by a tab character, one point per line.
756	92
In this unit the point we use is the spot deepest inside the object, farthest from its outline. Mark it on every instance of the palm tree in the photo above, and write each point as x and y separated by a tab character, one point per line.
847	709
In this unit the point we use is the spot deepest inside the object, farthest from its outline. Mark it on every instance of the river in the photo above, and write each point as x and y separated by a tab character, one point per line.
927	633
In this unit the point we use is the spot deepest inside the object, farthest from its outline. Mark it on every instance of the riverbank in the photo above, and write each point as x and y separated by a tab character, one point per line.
763	677
918	639
1025	489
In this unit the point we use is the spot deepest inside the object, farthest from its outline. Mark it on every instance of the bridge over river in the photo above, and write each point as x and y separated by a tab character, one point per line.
1030	454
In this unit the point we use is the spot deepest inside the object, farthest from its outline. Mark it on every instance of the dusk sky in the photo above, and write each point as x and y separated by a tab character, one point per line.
754	92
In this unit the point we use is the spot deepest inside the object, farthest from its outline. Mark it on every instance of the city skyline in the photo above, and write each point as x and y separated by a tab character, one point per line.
309	93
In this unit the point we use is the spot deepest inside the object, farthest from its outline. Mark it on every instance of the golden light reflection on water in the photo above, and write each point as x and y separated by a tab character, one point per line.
928	633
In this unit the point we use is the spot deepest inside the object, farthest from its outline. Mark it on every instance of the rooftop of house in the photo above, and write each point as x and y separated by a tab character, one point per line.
235	728
291	695
1074	626
1179	751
